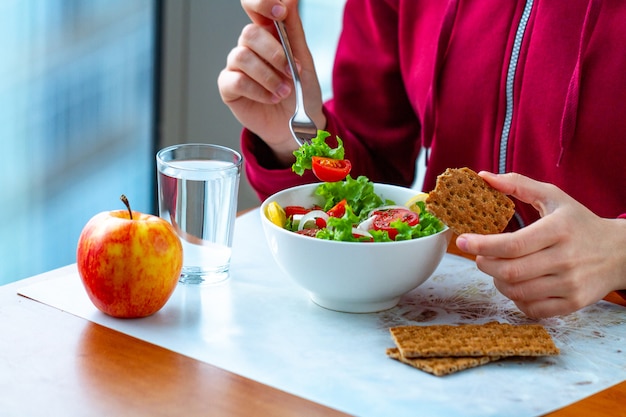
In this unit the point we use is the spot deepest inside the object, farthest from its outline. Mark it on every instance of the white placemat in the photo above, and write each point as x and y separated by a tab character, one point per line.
262	326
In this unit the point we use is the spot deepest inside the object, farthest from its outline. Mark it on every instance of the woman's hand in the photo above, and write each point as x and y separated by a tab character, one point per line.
568	259
256	83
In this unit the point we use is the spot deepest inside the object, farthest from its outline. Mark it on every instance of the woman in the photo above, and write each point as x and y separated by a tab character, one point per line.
518	90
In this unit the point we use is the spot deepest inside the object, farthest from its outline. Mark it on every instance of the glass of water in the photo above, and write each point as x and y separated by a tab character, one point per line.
198	186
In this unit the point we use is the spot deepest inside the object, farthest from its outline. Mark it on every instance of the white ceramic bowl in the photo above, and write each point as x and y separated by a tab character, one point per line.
352	277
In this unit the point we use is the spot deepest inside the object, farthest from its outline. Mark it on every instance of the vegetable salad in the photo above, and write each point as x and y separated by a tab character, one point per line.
353	212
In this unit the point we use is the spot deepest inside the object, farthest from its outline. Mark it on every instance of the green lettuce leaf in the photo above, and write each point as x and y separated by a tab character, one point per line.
428	225
318	147
359	194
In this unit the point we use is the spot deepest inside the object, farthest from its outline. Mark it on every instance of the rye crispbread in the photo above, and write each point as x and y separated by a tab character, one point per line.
491	339
467	204
441	366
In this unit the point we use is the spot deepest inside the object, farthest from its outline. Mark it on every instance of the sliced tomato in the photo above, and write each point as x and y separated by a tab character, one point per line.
308	232
338	210
384	218
291	210
330	170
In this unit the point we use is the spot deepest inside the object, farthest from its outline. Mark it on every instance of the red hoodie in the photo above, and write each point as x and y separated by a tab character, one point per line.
534	87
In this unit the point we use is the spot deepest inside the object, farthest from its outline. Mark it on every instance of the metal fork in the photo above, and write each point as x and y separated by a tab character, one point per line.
301	125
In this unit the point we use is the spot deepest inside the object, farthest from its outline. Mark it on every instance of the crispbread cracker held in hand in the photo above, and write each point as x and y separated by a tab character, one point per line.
467	204
491	339
441	366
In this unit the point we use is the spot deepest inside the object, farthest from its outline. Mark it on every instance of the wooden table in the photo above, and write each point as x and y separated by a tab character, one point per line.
53	363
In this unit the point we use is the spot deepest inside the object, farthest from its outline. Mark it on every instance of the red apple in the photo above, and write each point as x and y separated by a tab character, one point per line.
129	262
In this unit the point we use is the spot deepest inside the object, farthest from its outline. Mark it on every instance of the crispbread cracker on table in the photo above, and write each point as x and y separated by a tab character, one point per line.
491	339
441	366
467	204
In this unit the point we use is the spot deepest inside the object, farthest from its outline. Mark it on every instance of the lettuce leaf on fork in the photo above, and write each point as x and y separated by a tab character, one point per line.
317	147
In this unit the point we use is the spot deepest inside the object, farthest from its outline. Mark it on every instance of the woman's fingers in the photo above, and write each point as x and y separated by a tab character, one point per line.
264	11
541	195
263	45
535	237
256	66
559	263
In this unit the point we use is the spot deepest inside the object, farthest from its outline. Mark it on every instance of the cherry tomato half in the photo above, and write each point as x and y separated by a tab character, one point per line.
308	232
330	170
291	210
384	218
338	210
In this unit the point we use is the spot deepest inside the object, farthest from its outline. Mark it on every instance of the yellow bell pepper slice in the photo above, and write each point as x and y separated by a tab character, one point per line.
411	204
276	214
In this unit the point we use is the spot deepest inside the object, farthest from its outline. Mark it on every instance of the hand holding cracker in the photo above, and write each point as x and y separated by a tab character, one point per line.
564	261
467	204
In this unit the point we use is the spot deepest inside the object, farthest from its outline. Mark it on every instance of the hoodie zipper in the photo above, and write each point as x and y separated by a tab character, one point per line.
510	81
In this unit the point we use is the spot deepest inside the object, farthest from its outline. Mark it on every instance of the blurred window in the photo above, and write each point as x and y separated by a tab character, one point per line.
322	24
77	122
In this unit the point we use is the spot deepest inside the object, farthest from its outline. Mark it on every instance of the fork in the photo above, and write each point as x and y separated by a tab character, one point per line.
301	125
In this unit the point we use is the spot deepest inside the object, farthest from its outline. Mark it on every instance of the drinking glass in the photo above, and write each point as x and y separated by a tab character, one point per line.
198	185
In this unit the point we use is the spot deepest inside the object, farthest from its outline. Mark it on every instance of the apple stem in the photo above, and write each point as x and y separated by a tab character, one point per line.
125	201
